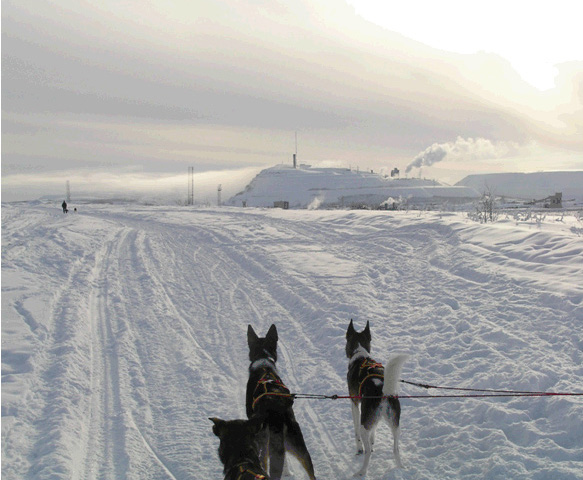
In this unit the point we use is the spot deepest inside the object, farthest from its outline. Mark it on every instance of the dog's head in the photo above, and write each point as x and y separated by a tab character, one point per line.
355	339
265	347
237	437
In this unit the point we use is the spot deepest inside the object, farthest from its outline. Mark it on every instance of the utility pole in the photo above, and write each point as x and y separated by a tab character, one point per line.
190	200
68	197
296	154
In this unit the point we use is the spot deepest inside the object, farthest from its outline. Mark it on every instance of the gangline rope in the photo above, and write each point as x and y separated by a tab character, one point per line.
475	393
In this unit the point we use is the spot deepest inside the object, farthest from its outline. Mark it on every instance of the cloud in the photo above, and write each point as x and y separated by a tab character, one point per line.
161	86
314	65
463	149
147	187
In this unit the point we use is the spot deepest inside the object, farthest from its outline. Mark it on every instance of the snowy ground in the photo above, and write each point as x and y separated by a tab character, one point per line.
124	329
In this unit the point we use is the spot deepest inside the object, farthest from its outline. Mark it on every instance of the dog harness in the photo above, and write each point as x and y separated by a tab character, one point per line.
246	473
270	384
370	369
243	471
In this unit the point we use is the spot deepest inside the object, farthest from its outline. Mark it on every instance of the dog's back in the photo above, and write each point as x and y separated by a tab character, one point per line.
266	392
365	378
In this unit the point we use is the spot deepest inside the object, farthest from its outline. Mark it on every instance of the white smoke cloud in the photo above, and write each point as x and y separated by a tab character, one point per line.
462	149
315	203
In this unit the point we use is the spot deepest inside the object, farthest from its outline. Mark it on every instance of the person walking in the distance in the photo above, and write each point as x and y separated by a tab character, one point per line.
64	205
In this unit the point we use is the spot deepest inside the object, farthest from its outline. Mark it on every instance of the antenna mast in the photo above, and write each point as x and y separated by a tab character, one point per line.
296	154
190	200
219	189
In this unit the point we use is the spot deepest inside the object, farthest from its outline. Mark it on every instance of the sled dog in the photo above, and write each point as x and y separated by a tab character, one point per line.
372	389
238	449
268	397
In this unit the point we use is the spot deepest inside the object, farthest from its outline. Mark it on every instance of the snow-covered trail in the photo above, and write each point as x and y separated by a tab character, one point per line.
124	329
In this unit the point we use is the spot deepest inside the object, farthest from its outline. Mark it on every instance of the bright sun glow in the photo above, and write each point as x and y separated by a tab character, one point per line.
532	36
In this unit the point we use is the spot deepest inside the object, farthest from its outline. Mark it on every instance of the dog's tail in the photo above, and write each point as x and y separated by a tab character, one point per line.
393	373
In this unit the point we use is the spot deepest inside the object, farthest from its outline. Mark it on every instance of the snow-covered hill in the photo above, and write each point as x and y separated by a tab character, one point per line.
310	187
124	329
307	187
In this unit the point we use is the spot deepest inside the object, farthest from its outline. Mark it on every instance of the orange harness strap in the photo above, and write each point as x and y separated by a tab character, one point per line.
243	471
272	385
370	364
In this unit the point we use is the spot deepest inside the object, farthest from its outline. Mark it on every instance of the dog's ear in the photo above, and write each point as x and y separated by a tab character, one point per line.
218	426
366	331
272	334
251	336
350	332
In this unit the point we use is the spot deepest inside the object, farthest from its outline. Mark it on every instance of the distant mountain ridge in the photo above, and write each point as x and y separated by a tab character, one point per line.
529	186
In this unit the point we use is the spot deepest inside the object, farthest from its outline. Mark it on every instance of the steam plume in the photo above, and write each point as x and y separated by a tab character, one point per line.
466	149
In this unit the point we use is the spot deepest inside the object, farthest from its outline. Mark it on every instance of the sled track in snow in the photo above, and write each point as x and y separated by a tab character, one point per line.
105	450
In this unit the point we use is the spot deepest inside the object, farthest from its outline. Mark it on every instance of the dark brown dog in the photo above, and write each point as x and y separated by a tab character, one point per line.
238	449
269	398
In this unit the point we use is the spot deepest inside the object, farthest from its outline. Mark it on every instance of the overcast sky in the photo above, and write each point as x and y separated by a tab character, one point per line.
126	95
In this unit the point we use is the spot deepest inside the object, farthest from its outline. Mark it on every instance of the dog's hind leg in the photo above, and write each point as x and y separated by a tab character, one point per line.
370	416
396	433
365	435
356	421
394	419
295	444
276	452
287	471
263	443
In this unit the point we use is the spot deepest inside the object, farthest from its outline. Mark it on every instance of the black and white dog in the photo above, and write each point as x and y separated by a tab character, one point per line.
238	448
373	387
269	398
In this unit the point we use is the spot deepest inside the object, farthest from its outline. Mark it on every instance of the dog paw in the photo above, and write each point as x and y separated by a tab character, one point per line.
360	451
